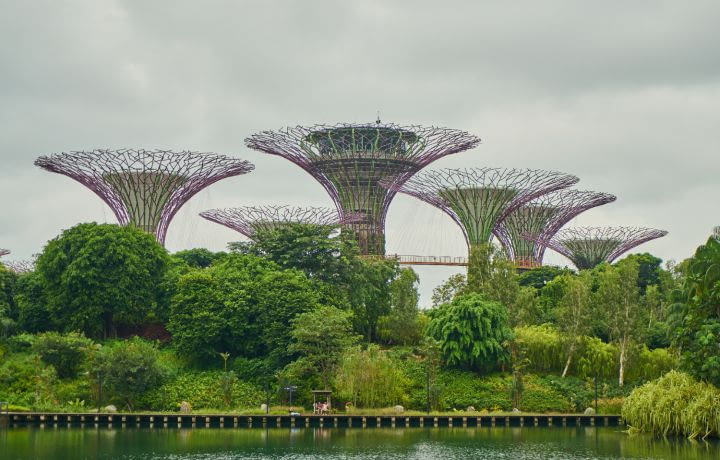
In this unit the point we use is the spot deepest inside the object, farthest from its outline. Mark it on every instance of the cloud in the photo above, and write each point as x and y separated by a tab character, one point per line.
624	95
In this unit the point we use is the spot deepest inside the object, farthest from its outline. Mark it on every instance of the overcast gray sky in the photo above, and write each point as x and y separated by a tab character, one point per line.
624	94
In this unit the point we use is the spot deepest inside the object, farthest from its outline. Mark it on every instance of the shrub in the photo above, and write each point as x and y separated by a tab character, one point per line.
370	378
674	404
542	346
65	352
128	368
463	389
203	391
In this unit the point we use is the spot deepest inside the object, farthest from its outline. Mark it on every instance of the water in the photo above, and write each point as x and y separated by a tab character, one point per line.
338	443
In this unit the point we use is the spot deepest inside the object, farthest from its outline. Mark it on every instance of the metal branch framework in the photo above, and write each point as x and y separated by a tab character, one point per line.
478	199
4	252
350	161
587	247
20	266
144	188
249	220
542	218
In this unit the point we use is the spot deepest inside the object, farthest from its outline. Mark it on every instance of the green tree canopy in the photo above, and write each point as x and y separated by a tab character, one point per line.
473	331
198	257
242	305
697	331
96	275
319	338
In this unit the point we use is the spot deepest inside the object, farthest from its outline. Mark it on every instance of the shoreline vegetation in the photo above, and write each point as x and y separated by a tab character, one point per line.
108	318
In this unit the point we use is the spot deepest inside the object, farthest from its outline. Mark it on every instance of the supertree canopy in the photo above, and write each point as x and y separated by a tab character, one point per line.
350	161
20	266
4	252
587	247
542	218
248	220
479	198
144	188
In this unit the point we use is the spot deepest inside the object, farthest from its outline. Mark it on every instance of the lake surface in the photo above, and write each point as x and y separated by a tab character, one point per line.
338	443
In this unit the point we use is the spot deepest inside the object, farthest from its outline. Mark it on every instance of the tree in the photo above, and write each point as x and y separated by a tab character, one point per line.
618	296
494	275
96	275
371	296
34	314
697	316
242	305
447	291
8	306
313	249
198	257
540	276
319	337
370	378
346	280
403	325
127	369
473	331
65	352
573	313
649	270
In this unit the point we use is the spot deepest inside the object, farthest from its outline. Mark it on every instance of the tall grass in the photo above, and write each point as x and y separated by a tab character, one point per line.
674	404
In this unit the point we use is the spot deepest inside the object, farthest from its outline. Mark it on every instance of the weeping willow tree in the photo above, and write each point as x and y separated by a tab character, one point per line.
473	332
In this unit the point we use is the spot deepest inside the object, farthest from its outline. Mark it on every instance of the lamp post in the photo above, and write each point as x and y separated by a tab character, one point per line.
290	389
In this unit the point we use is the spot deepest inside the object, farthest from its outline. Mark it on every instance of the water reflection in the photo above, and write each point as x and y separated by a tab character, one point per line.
355	443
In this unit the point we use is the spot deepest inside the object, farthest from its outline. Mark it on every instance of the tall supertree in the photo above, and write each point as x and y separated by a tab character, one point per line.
542	218
587	247
249	220
4	252
350	161
144	188
478	199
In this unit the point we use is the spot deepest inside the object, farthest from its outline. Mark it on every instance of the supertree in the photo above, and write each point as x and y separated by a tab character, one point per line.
4	252
350	161
587	247
248	220
543	217
144	188
478	199
20	266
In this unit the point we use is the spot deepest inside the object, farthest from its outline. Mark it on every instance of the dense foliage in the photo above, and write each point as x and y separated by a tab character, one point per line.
472	332
675	404
698	319
299	308
94	276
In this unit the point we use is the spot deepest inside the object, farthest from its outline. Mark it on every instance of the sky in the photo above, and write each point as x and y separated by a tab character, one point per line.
625	95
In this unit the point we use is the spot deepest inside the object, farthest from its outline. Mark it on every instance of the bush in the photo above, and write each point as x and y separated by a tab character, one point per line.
203	391
128	368
26	381
542	346
674	404
370	378
463	389
65	352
